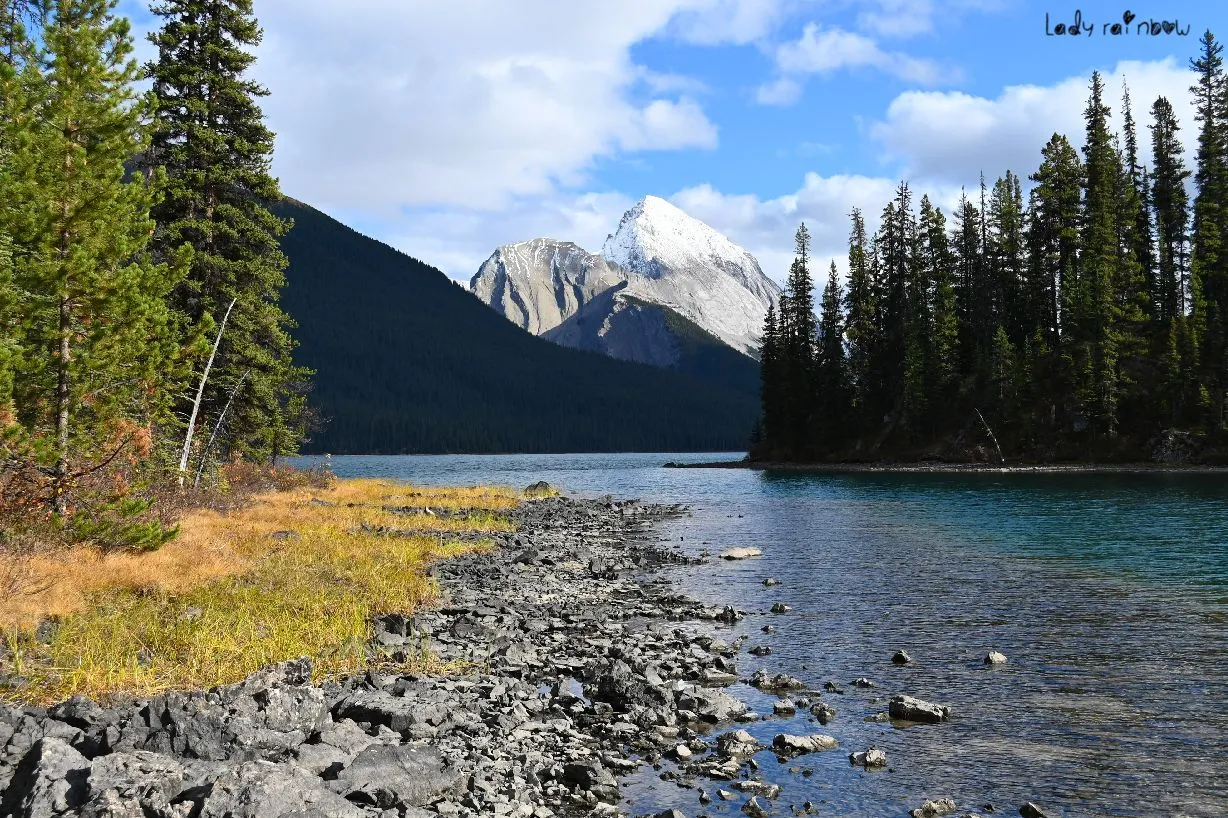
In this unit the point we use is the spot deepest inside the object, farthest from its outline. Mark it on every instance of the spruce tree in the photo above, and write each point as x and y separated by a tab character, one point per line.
770	383
832	375
1170	201
1001	301
861	327
799	336
1137	227
97	336
210	137
1209	255
937	265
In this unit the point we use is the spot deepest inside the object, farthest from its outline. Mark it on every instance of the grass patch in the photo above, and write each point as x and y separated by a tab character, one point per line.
294	573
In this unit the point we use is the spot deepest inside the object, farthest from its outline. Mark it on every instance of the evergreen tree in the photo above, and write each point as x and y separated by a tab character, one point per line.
97	336
1054	216
860	310
1137	227
798	339
974	330
1209	256
210	137
1171	204
771	380
1001	296
18	20
937	265
832	375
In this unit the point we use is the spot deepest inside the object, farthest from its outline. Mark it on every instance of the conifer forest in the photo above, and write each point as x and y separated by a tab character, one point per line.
1087	321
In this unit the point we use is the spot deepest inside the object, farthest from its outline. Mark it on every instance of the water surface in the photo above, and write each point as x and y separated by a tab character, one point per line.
1109	594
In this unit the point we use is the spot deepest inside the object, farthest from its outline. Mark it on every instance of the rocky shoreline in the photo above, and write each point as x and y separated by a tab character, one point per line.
580	665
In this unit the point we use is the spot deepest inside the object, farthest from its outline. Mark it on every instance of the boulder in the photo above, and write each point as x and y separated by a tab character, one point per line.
741	553
261	789
135	784
907	708
388	777
737	744
934	809
1030	810
995	658
870	759
50	780
901	657
781	681
787	745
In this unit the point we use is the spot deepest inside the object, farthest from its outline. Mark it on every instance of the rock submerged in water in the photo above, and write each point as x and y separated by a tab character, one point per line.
787	745
780	608
934	809
995	658
872	758
901	657
743	553
1030	810
906	708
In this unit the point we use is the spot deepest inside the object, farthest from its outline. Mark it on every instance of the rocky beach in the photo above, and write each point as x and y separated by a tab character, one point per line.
577	664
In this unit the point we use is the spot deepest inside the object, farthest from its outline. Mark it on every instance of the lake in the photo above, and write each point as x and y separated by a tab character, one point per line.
1108	593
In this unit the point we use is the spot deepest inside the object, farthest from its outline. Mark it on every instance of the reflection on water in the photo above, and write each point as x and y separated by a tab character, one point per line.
1108	593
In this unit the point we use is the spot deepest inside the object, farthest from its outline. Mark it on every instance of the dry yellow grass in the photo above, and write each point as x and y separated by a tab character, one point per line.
227	596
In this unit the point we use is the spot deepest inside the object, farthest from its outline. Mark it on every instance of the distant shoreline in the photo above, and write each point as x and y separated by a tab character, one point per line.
959	468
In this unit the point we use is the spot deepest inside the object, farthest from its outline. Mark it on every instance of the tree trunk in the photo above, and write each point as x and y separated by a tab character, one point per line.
200	391
61	401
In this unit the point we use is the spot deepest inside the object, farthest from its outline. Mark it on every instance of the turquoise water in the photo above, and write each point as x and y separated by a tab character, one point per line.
1109	593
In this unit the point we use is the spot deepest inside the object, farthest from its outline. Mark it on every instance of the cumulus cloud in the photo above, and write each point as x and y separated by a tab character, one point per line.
824	50
950	136
383	104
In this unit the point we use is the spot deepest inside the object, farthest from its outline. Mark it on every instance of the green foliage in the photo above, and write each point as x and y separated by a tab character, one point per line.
117	524
95	333
411	363
1081	326
210	139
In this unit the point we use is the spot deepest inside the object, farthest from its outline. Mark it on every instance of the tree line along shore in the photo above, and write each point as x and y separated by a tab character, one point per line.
1087	324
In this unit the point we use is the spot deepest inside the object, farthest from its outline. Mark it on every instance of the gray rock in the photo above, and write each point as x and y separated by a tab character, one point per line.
787	745
907	708
762	788
50	779
901	657
386	777
135	784
737	744
754	808
870	759
934	809
1030	810
262	789
995	658
741	553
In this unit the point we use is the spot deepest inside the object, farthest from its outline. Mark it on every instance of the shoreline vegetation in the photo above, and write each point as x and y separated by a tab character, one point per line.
957	468
287	573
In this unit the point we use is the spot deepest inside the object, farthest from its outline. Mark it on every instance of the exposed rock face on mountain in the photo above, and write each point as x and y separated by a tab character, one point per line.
662	257
679	262
618	324
539	284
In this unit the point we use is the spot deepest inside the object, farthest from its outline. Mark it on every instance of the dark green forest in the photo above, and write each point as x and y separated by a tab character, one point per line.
1086	322
408	362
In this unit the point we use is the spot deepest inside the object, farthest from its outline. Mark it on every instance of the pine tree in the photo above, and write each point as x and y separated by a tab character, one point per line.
1001	303
832	374
19	19
974	332
1171	204
1054	216
937	265
1137	228
798	339
1209	255
861	328
97	335
771	380
210	138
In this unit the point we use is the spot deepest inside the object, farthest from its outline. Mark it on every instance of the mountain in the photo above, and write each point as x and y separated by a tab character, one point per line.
681	263
408	362
622	325
660	256
538	284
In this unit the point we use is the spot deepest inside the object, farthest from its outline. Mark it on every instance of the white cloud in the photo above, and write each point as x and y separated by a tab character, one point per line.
714	22
898	18
950	136
384	104
825	50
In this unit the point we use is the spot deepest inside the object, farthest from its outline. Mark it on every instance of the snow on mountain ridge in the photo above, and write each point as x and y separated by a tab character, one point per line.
665	257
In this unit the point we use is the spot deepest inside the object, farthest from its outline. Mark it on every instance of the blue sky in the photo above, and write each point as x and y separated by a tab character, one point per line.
449	128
